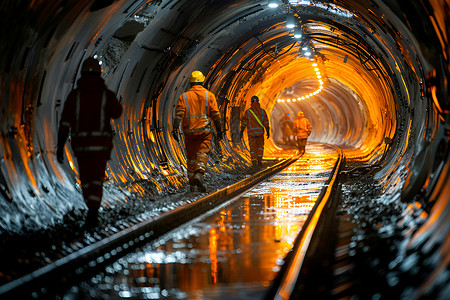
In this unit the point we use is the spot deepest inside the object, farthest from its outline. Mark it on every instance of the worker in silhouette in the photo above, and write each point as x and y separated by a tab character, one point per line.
286	128
87	114
255	120
194	110
302	128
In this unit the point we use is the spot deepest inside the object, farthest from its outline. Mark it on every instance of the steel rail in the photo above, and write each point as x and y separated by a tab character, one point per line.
283	286
87	260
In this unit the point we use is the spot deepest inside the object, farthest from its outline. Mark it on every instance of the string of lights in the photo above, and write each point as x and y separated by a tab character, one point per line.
319	80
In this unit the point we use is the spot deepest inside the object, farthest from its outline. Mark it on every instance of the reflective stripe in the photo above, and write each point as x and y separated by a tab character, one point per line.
94	198
206	103
188	113
93	133
65	124
257	117
92	148
254	133
207	129
95	183
189	116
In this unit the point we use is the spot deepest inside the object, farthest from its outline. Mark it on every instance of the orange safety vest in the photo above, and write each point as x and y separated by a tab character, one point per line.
195	107
255	122
88	112
303	128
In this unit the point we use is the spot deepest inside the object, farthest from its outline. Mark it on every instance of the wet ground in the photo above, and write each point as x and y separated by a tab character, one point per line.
391	264
233	252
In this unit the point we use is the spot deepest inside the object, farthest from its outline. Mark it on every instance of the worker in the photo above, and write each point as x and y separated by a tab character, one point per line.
286	128
302	127
255	120
87	114
194	110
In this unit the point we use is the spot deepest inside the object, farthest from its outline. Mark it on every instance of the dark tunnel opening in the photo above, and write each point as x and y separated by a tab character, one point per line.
376	85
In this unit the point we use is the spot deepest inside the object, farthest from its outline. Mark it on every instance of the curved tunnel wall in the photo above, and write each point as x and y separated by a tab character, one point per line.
149	50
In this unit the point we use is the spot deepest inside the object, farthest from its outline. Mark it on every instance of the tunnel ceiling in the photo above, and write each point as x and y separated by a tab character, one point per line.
373	57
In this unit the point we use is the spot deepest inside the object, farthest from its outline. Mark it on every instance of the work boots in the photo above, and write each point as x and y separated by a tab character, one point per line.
198	181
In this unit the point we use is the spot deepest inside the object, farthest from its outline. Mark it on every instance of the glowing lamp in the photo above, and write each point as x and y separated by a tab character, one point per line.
297	33
273	4
290	22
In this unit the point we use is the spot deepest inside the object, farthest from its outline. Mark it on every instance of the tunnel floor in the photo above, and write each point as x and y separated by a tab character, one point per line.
374	238
234	252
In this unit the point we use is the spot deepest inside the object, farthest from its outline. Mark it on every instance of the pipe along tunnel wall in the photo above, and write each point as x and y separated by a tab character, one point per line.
384	69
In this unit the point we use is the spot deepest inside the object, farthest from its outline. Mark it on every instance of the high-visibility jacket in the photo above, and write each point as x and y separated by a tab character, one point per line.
255	120
88	112
195	107
286	125
302	127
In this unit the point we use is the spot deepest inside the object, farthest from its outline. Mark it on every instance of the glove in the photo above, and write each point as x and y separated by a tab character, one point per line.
175	135
60	154
268	134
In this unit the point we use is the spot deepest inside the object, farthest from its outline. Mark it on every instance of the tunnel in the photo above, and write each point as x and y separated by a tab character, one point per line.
371	76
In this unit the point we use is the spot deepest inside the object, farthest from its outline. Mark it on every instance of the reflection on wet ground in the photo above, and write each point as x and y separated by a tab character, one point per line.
232	253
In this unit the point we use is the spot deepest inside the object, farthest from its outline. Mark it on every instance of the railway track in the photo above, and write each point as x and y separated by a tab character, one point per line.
99	251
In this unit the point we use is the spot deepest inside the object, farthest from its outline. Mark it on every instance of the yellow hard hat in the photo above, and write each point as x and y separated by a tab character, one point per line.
197	76
300	114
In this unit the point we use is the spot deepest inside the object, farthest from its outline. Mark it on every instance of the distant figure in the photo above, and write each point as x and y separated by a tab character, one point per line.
255	120
87	113
286	128
195	108
303	128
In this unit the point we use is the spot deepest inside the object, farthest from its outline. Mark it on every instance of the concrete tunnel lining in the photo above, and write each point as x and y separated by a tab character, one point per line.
377	65
139	59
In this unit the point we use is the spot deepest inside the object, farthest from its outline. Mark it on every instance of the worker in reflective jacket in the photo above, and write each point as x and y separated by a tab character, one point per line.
286	128
87	114
302	127
194	110
255	120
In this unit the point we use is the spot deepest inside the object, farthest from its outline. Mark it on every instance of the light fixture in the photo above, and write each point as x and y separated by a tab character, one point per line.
273	4
310	95
297	33
290	21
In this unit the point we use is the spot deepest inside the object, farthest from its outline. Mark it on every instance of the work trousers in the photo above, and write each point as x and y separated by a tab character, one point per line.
197	147
256	144
91	166
301	144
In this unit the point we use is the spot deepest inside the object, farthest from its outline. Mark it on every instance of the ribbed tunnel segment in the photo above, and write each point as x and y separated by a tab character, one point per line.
384	68
371	89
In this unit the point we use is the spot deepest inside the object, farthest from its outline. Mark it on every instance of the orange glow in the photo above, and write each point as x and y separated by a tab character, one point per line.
213	253
319	80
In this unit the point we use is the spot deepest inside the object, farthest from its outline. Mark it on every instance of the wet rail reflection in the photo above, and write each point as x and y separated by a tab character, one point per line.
234	252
